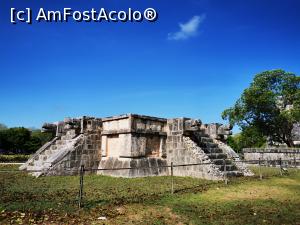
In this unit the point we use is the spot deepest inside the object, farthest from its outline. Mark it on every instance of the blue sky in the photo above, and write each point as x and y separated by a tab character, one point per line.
194	61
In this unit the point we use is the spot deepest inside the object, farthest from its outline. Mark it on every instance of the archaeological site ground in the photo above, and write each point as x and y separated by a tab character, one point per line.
25	199
150	112
136	169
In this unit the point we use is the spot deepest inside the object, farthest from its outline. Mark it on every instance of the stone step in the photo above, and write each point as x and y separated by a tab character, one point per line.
202	134
40	163
216	155
66	137
206	139
37	164
60	142
42	157
50	152
30	167
221	161
35	167
63	138
212	150
228	167
208	145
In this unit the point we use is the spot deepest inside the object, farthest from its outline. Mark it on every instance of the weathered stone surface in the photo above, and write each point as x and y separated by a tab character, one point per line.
217	130
273	156
234	156
77	143
296	134
134	146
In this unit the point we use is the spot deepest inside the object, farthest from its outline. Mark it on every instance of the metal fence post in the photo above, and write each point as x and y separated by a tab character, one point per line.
280	164
295	163
225	173
259	168
81	186
172	179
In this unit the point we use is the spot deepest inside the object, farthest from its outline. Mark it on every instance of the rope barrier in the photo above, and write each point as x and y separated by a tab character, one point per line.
163	166
79	195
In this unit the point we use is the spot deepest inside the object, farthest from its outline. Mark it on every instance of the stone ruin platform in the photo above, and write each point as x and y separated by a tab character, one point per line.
143	143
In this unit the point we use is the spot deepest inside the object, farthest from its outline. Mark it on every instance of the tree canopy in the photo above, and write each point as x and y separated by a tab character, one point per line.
270	106
22	140
249	137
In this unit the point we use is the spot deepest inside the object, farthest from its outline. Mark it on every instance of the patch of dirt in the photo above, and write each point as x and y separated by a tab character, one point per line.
141	214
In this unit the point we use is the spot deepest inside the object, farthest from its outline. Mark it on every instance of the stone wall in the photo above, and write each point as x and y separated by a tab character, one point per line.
133	141
86	152
131	167
132	136
270	154
296	134
182	150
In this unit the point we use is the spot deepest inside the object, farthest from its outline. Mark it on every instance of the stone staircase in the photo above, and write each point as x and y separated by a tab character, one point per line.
51	153
216	155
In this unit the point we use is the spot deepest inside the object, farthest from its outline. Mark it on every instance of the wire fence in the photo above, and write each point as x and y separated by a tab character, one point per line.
283	167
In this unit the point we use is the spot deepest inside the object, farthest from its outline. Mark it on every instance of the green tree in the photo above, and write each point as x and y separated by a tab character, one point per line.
43	137
37	139
270	106
14	139
21	140
249	137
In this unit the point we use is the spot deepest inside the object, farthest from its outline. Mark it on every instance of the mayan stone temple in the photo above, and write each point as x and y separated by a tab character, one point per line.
145	144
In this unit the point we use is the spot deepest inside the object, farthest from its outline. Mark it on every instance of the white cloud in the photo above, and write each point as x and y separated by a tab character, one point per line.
188	29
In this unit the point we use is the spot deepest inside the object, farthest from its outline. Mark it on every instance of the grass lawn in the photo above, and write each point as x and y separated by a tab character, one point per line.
53	200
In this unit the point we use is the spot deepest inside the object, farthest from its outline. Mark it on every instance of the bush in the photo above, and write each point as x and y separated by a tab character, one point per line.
14	158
